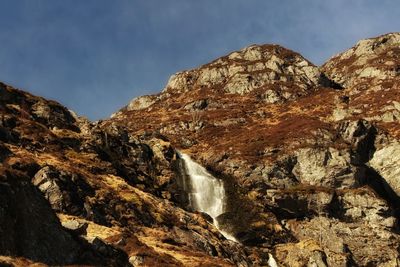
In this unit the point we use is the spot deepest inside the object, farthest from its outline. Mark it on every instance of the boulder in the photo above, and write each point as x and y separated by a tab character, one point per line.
65	191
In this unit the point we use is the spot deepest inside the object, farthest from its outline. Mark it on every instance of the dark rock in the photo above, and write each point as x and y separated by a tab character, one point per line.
66	192
118	256
75	226
197	105
4	152
53	114
29	228
361	135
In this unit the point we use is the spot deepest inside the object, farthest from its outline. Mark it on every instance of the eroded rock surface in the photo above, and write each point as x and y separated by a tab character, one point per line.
308	154
309	158
86	194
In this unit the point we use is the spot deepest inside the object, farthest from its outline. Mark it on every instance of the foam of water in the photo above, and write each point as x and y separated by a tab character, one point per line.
207	193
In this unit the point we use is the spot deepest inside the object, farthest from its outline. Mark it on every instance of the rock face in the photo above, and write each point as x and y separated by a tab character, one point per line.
271	72
375	58
79	193
249	69
308	156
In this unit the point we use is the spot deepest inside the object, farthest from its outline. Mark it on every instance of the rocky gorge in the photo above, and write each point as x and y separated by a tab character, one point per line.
308	159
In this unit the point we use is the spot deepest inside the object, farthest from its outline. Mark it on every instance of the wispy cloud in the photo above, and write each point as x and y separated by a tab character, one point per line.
95	55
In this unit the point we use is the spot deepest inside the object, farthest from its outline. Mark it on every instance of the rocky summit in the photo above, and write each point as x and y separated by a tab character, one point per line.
259	158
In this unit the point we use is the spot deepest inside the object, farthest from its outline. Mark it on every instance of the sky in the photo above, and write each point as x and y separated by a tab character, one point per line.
94	56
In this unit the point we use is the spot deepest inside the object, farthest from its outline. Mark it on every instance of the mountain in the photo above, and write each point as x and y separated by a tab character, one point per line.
304	161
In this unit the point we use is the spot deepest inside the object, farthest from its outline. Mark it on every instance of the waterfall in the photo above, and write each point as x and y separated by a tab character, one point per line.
206	193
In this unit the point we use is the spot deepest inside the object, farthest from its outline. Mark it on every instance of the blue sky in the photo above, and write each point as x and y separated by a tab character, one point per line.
95	55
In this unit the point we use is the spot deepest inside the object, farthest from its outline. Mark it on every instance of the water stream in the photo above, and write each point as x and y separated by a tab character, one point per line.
206	193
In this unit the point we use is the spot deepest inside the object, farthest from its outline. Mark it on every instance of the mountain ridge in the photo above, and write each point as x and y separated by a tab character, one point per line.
307	155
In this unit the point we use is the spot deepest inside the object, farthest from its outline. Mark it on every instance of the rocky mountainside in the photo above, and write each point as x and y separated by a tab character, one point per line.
309	157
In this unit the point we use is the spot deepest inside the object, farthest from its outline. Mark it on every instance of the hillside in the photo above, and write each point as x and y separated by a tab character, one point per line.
308	157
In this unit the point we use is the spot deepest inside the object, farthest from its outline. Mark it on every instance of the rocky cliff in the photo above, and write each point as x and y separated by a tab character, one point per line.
309	157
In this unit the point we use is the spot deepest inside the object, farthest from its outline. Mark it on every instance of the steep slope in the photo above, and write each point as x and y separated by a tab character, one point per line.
309	155
73	193
370	72
308	158
269	73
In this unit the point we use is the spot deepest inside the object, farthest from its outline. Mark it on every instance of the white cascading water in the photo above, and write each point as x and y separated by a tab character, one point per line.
207	194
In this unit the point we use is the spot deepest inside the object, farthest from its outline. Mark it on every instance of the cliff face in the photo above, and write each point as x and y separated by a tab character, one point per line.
73	192
309	157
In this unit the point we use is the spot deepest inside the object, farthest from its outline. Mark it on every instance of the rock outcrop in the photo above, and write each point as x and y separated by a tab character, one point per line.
246	70
308	154
77	193
309	159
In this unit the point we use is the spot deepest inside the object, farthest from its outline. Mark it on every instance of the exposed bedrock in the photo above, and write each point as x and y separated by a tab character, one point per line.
303	162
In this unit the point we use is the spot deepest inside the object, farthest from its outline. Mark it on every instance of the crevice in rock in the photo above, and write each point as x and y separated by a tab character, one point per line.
361	136
333	209
350	257
326	82
300	206
364	150
373	179
4	152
